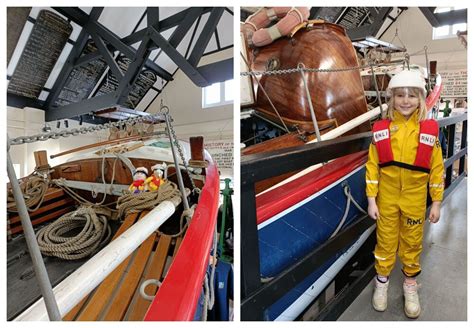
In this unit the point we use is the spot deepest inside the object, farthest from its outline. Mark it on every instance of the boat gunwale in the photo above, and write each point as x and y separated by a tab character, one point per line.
177	298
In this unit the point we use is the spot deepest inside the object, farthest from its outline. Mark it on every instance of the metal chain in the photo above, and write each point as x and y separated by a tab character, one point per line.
311	70
84	130
298	70
180	151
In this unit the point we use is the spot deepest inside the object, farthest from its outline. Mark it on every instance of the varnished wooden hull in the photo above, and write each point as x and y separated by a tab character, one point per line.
336	96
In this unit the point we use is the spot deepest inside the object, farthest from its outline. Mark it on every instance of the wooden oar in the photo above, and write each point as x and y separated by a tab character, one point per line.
108	142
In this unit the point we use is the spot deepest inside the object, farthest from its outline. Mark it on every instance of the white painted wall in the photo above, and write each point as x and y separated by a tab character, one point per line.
415	32
30	121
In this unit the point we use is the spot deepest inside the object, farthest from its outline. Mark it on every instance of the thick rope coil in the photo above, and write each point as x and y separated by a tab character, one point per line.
132	203
55	239
33	188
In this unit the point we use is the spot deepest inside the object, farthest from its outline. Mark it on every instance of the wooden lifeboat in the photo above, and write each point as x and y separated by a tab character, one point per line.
178	260
337	97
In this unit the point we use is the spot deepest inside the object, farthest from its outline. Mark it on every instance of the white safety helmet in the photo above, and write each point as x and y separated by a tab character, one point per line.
407	79
159	167
141	169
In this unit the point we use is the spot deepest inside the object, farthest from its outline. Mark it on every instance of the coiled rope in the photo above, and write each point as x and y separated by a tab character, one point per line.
132	203
33	188
55	239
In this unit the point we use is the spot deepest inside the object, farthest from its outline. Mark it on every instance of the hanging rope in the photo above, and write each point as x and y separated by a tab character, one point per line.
132	203
350	199
34	189
55	239
187	214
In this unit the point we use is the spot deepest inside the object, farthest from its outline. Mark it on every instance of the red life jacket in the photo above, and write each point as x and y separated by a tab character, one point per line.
426	141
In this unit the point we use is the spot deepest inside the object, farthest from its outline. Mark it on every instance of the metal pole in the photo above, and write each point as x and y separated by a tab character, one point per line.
33	248
313	115
81	282
178	170
428	71
377	89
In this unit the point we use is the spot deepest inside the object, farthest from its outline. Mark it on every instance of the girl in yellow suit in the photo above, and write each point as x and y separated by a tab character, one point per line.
404	158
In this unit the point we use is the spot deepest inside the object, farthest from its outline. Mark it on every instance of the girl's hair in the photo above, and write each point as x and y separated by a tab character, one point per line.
422	112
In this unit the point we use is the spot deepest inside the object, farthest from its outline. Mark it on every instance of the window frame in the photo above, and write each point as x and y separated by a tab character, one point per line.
221	101
451	33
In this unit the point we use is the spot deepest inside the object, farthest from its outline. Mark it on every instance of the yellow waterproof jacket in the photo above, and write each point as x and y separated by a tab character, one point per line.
404	136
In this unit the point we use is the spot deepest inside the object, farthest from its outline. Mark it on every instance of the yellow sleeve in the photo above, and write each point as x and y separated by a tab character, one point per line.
372	172
436	184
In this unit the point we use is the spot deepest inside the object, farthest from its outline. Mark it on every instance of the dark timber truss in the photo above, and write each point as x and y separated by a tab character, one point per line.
108	44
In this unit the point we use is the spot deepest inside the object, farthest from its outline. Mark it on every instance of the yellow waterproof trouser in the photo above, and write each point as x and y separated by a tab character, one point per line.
400	227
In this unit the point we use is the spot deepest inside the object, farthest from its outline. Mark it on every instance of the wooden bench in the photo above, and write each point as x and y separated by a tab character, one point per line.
117	298
55	204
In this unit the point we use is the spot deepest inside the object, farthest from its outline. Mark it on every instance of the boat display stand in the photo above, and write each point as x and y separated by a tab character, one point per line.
118	297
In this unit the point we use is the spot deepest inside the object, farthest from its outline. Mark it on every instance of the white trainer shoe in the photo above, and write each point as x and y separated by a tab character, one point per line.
379	299
412	302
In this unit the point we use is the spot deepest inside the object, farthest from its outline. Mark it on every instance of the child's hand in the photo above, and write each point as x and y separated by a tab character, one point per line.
435	212
373	210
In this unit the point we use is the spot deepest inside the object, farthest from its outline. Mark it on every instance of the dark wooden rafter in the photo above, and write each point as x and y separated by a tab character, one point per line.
153	16
108	43
176	56
444	18
75	53
107	55
81	18
133	71
205	36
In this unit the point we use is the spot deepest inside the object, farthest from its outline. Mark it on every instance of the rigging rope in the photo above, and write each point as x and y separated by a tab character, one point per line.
34	189
131	203
55	239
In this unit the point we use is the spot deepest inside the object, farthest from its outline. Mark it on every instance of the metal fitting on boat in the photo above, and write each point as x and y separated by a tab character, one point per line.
145	285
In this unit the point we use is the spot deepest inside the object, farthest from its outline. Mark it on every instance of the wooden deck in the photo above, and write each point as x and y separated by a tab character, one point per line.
118	298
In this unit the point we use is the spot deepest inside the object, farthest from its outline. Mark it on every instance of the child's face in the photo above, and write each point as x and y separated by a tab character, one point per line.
406	101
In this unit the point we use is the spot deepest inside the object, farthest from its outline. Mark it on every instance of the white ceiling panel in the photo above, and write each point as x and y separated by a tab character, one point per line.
76	29
43	95
212	45
183	45
146	100
166	12
58	66
87	10
201	25
225	28
165	62
121	20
